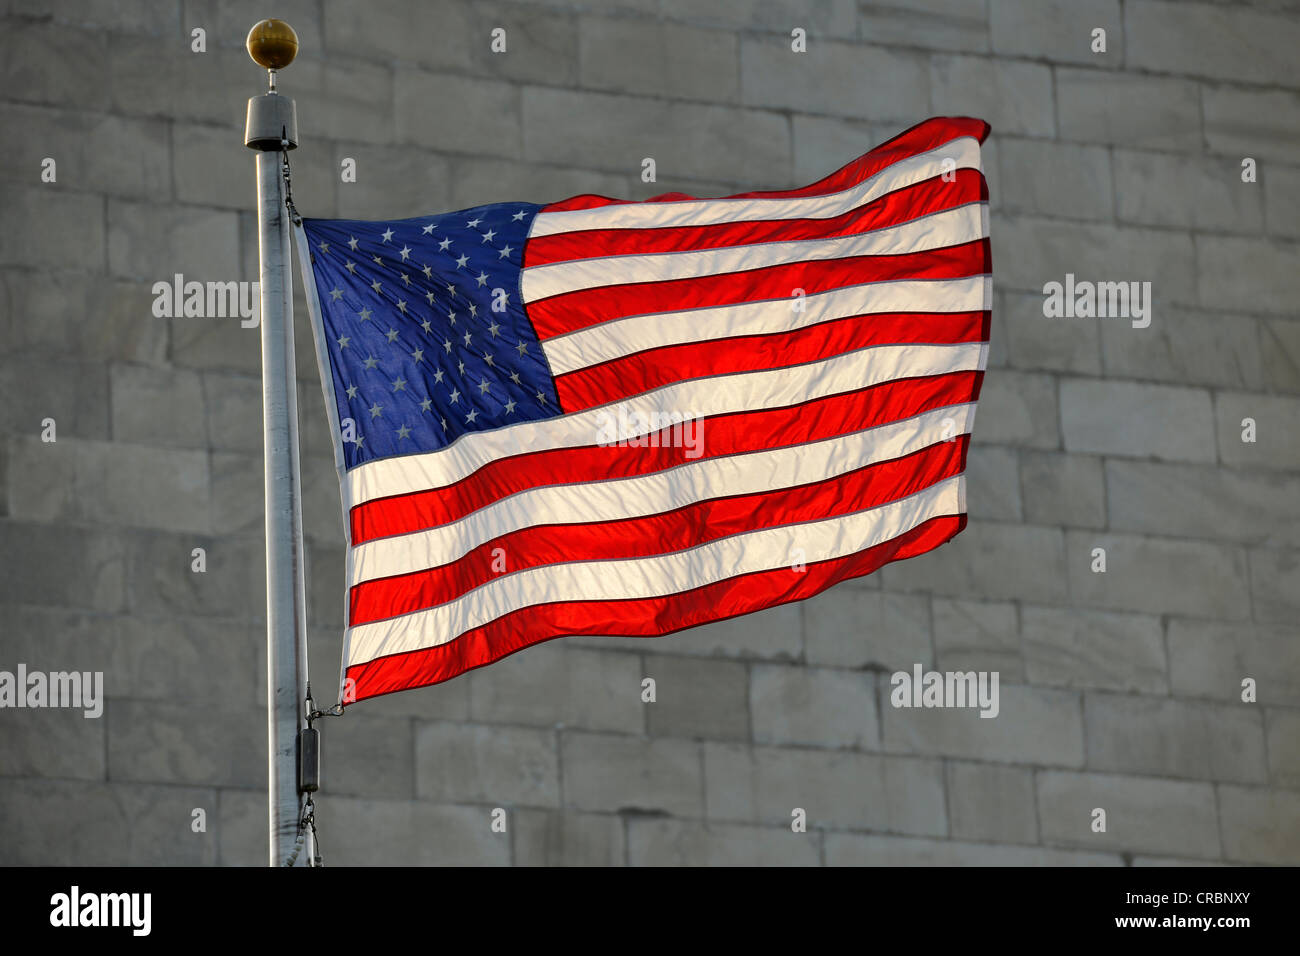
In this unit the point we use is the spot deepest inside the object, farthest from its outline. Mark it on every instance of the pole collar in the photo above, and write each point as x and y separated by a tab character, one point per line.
272	122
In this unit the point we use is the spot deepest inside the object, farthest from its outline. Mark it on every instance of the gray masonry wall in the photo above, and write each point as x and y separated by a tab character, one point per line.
1120	690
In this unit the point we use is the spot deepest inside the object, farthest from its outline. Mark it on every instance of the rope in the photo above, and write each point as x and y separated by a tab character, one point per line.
315	837
308	819
288	183
297	845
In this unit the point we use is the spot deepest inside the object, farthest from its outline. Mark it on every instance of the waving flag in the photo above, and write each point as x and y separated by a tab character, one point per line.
628	418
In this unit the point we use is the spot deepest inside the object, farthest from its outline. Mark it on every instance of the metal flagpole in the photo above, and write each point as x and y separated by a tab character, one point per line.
272	129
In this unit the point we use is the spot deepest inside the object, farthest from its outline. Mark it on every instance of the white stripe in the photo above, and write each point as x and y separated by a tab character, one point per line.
761	550
938	230
659	492
699	397
611	340
964	151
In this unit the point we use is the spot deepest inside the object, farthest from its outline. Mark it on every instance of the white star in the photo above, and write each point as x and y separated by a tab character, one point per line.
460	366
437	376
377	261
473	223
473	414
487	236
406	280
352	243
517	216
359	441
521	348
428	230
376	285
418	355
424	405
352	391
429	296
482	278
351	267
399	384
427	326
442	246
447	344
336	294
487	357
324	246
401	305
541	398
493	328
483	386
371	361
514	377
375	410
451	289
443	421
505	251
392	335
343	341
428	272
406	253
473	309
460	263
403	432
510	406
467	338
451	317
365	313
388	234
455	395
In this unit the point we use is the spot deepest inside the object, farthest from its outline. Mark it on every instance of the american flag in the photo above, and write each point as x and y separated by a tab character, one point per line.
607	417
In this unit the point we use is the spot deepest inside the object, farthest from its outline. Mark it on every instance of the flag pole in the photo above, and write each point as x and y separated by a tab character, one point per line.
272	130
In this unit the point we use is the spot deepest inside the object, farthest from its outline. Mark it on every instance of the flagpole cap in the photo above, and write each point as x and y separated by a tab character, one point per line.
272	44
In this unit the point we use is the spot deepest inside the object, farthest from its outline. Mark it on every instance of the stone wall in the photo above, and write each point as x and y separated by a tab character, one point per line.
1120	690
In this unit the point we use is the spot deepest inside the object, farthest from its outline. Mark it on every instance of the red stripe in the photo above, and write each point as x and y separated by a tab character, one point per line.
648	617
582	308
866	487
921	138
903	205
641	371
729	434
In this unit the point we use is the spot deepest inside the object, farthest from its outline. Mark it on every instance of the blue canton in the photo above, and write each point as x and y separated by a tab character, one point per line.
426	334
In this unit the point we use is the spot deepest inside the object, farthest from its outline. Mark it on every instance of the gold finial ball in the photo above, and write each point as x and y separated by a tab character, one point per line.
272	44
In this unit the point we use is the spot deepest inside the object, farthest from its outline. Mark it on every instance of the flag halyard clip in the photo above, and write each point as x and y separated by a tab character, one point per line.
313	714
